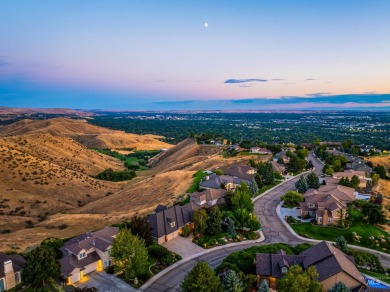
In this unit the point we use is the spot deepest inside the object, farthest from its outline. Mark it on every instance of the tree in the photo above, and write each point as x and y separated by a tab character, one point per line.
302	185
248	280
214	221
55	244
355	181
141	227
269	174
259	180
297	164
242	217
263	287
342	218
292	198
339	287
341	244
200	221
310	165
374	213
41	266
242	198
313	181
130	254
253	187
381	170
231	227
231	282
201	278
375	178
296	280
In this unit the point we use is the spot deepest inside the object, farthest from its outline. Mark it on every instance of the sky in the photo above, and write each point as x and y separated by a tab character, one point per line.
160	54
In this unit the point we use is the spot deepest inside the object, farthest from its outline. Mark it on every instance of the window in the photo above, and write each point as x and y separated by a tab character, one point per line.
312	205
320	220
284	270
2	285
82	255
17	278
329	220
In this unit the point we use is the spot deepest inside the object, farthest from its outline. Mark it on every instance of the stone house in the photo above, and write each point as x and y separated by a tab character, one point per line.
11	267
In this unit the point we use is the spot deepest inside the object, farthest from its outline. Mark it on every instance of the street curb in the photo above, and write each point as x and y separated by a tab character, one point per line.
183	261
386	255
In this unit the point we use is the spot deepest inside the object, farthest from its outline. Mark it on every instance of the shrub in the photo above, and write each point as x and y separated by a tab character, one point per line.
185	231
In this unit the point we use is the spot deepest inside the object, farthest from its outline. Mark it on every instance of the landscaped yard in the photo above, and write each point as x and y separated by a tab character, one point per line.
379	276
358	225
207	241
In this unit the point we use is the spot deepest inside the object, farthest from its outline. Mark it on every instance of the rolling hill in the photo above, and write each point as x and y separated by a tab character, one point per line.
89	135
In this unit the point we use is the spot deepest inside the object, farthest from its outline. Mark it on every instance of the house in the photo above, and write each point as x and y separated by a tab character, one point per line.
334	152
11	267
327	204
282	156
216	181
258	150
332	266
86	253
167	223
241	171
350	173
279	167
208	198
359	166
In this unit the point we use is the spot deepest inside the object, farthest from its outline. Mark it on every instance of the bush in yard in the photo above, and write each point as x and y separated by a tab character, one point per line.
159	252
185	231
263	287
339	287
292	198
302	185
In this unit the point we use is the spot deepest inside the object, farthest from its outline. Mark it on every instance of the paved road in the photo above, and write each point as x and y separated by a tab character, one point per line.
273	229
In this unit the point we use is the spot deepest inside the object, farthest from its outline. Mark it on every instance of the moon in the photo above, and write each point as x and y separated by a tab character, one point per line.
206	24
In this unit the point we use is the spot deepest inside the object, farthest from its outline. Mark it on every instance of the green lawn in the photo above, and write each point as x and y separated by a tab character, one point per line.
358	225
198	176
267	187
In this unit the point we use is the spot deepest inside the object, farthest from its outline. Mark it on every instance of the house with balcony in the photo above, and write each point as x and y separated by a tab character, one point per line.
86	253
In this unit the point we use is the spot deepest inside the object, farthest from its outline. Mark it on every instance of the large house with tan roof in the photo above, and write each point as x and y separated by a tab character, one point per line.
327	204
86	253
332	266
10	270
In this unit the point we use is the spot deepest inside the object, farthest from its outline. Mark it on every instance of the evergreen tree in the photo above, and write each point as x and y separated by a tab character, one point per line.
200	221
141	227
41	266
341	244
269	174
201	278
231	227
263	287
253	187
214	221
231	282
130	254
259	180
302	185
339	287
313	181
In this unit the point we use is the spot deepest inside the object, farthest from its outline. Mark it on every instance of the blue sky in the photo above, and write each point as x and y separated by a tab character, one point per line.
160	55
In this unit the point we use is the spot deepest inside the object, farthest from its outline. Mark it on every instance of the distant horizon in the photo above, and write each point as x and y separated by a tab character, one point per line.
196	55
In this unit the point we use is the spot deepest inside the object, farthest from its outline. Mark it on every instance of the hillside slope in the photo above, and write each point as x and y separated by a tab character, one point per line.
89	135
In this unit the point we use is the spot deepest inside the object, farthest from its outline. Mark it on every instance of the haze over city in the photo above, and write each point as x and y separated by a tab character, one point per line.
146	55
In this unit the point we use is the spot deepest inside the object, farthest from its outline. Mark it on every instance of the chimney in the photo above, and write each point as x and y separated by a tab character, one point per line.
9	275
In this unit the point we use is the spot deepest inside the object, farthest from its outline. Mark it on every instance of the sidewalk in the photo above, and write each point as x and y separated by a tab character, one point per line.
206	251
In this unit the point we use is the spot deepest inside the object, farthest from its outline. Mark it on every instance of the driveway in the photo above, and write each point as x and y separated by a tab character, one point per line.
183	246
104	282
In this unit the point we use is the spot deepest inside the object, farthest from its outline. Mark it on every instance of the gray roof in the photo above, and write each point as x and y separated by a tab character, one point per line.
359	167
18	262
214	181
70	262
327	259
161	221
100	239
240	171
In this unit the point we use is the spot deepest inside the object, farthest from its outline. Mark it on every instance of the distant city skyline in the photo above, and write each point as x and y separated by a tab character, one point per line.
162	55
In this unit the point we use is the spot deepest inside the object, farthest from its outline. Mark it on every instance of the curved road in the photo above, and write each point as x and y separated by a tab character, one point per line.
273	229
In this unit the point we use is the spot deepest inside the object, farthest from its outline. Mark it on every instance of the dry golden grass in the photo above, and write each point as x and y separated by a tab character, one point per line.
382	160
383	188
89	135
58	200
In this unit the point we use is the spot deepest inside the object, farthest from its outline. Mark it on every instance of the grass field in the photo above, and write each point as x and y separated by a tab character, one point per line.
198	176
358	225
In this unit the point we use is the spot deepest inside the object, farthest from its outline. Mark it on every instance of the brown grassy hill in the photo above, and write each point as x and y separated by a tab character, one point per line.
382	160
89	135
43	175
